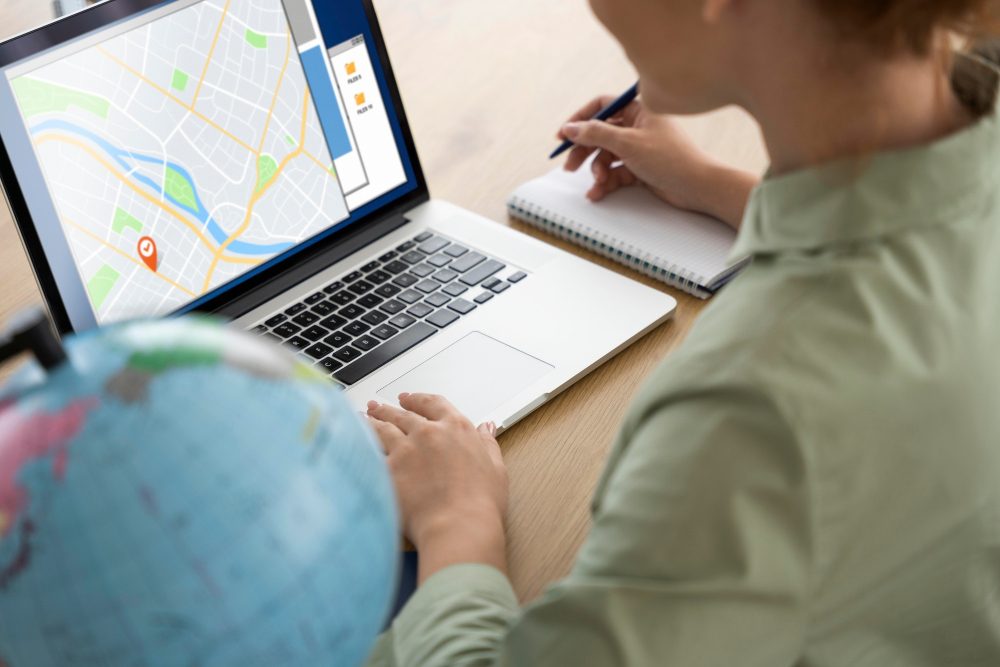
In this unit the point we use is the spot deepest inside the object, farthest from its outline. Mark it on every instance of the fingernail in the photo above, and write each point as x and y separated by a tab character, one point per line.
372	405
493	429
571	130
404	395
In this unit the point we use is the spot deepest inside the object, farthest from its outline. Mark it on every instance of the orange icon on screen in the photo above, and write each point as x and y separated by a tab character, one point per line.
360	99
148	253
352	68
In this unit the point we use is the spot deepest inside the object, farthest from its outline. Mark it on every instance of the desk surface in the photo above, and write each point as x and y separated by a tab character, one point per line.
484	122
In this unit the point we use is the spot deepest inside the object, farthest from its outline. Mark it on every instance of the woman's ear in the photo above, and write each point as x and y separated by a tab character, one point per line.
713	10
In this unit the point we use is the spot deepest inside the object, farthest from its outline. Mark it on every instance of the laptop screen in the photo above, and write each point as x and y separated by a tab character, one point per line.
176	152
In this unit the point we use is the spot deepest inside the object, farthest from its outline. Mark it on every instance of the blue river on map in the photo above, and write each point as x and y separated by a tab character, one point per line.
201	214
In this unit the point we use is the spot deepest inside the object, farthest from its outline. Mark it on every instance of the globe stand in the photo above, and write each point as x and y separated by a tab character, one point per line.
31	331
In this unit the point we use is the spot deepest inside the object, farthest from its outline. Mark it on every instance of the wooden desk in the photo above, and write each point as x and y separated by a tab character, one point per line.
486	85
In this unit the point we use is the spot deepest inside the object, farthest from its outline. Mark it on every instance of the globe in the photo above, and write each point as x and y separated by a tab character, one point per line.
180	494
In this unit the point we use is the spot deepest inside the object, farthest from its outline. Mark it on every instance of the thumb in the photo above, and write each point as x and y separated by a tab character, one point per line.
488	429
597	134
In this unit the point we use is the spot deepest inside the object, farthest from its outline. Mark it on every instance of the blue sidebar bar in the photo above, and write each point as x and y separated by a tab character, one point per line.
314	62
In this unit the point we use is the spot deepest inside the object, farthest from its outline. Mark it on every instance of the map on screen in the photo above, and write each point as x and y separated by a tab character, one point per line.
182	153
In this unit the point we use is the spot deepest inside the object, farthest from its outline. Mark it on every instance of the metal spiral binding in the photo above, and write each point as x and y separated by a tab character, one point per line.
608	246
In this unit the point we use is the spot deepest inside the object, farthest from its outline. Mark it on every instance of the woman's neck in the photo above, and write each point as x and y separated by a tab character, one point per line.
812	115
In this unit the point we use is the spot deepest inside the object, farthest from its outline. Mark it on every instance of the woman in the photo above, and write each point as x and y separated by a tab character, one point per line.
814	477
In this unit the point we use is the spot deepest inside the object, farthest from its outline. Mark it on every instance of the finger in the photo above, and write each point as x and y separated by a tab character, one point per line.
618	178
404	420
488	429
578	156
601	167
589	110
599	134
430	406
388	434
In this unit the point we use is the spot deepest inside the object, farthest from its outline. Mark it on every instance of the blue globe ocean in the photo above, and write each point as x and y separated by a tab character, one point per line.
180	494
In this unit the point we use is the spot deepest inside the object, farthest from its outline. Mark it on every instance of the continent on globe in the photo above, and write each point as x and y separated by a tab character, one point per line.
29	438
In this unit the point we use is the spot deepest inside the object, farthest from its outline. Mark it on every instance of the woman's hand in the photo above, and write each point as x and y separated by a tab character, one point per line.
640	147
450	481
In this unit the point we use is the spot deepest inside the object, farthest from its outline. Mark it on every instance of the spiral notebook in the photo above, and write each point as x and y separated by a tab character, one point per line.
685	250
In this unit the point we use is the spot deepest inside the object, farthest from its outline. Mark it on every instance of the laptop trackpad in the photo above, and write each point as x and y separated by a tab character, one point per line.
477	374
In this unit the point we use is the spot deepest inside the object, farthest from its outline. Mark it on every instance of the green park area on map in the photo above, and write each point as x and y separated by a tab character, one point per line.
124	219
179	189
180	81
100	286
266	168
256	40
36	97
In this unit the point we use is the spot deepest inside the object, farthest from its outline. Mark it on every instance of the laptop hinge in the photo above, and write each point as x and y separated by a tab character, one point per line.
309	268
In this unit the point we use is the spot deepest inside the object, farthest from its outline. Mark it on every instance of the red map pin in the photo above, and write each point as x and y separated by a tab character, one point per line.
147	251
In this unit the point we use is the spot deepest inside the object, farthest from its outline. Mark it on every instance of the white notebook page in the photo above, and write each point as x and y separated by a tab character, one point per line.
637	220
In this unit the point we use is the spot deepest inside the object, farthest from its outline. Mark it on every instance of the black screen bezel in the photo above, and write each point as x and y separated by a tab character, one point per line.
249	294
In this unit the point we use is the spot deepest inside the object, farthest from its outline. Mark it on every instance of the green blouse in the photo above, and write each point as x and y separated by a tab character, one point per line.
813	478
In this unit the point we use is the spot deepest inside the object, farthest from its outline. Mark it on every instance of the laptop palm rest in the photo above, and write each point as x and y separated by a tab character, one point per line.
478	374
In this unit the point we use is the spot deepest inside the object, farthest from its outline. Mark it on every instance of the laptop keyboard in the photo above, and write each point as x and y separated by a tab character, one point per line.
367	318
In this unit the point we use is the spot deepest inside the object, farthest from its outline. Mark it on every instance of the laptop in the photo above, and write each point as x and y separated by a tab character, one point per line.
252	159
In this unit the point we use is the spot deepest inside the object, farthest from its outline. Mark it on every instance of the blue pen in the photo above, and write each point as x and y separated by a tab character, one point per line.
604	114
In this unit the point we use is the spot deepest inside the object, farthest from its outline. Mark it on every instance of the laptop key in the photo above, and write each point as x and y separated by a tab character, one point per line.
296	309
462	307
396	267
276	320
297	343
388	257
491	283
319	350
443	318
423	236
333	287
385	353
439	260
315	298
482	272
323	308
393	307
455	250
432	246
445	276
314	334
353	276
356	328
422	270
517	277
468	261
410	296
420	310
483	298
366	343
369	267
387	291
287	330
384	332
406	247
347	355
455	289
352	312
437	300
333	322
402	321
260	329
342	298
413	257
374	318
329	365
406	280
501	287
339	339
427	286
378	277
369	301
363	287
306	319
